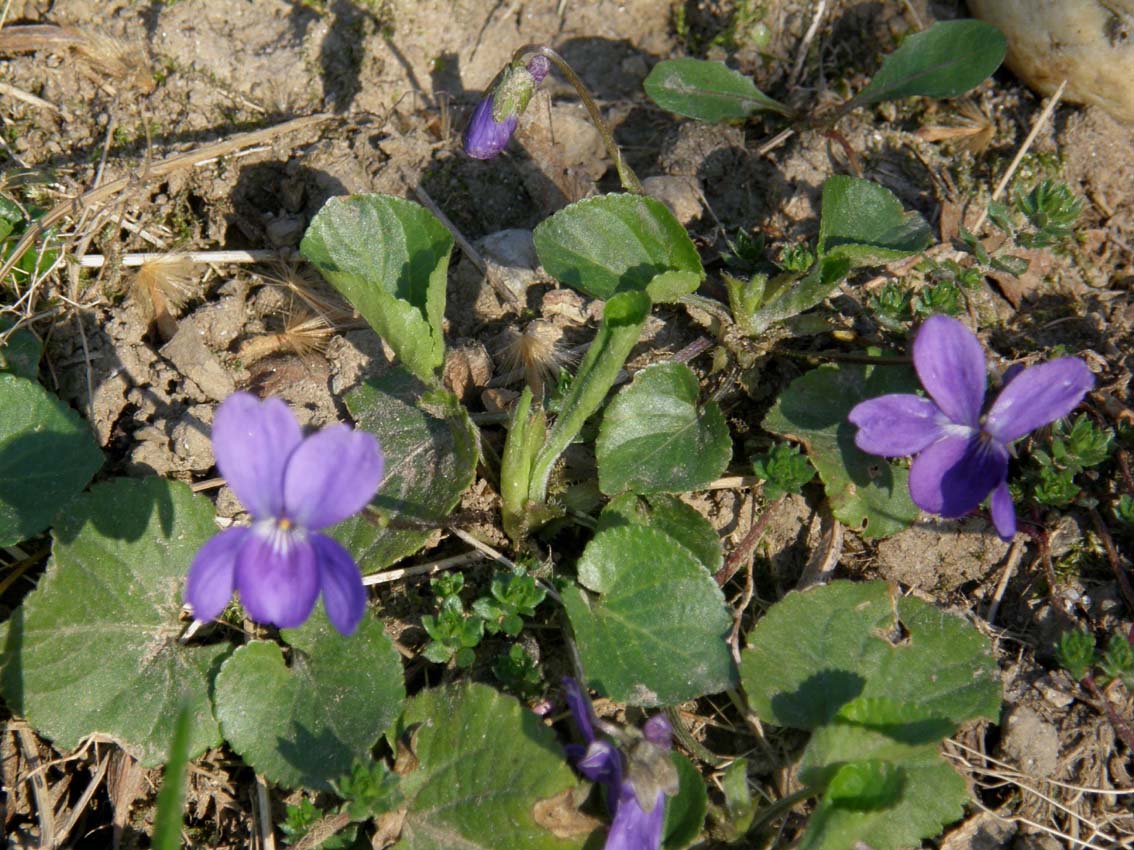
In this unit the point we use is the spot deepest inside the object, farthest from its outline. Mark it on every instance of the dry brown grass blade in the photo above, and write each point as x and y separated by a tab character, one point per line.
156	171
110	56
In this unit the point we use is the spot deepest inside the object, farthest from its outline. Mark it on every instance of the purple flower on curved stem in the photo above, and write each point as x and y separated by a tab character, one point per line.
962	455
293	486
496	116
637	783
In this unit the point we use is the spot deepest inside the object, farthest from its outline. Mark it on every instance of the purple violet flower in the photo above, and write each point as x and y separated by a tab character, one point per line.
962	456
496	116
293	486
636	793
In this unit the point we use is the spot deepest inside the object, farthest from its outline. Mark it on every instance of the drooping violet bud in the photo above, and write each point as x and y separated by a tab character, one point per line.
485	137
497	115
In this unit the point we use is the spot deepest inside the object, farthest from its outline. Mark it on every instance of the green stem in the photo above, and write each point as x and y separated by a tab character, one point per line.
780	807
622	322
626	174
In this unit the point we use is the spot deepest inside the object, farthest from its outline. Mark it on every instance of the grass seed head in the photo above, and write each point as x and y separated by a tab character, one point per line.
537	351
163	286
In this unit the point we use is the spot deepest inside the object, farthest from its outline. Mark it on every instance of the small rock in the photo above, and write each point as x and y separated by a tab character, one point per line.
1053	693
285	231
468	368
511	259
1030	742
681	194
498	400
565	304
983	831
193	359
191	440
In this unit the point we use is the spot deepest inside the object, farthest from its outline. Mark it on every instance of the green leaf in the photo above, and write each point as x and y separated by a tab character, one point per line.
946	60
707	91
21	352
883	793
389	258
654	438
47	455
305	724
431	449
616	243
815	651
823	279
685	812
484	763
865	223
867	492
672	516
171	797
653	631
94	649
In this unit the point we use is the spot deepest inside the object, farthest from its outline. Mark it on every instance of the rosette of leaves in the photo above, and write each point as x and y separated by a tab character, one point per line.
878	685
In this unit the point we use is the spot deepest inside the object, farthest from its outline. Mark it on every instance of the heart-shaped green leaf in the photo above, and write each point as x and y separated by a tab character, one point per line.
672	516
305	724
47	455
867	493
865	223
617	243
655	439
20	353
707	91
389	258
815	651
946	60
653	631
431	449
879	791
94	649
484	763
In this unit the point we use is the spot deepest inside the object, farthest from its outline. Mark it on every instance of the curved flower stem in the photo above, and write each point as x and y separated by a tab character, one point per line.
626	174
780	807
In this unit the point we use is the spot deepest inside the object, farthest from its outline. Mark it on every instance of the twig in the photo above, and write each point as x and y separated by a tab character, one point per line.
1041	119
741	607
264	809
80	807
322	830
826	557
745	547
30	99
472	253
1121	727
1015	555
388	576
44	810
162	169
733	482
1115	563
260	255
805	45
493	554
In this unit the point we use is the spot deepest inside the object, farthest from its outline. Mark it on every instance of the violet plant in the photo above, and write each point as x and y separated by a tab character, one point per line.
293	487
963	451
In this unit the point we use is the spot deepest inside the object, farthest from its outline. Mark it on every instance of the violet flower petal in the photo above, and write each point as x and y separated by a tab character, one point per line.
953	476
331	476
210	583
277	576
950	364
344	596
1038	395
897	425
485	138
632	827
1003	511
252	440
601	762
580	708
658	731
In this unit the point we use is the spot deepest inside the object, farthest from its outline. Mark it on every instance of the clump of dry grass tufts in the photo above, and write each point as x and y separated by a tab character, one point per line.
162	287
305	334
536	353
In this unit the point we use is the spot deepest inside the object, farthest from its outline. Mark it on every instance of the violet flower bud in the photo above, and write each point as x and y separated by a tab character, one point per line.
497	115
